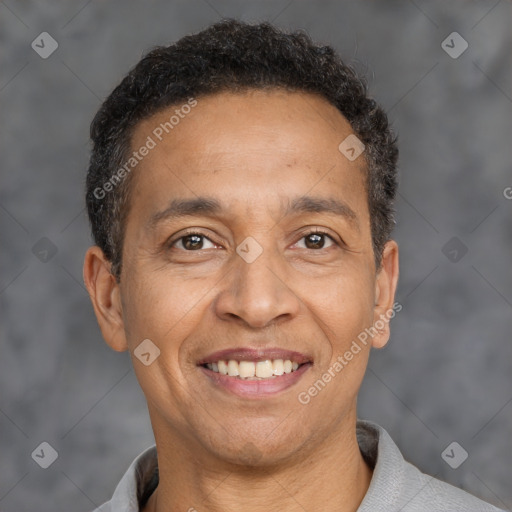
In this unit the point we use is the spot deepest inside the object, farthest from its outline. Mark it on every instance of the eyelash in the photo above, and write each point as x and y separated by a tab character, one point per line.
316	231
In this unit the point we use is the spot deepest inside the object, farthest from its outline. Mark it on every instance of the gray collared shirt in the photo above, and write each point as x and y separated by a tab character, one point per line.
396	484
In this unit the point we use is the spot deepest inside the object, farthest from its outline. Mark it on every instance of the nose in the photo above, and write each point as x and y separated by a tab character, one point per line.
258	293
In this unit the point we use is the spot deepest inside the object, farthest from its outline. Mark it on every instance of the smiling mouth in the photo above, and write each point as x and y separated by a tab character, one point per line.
254	370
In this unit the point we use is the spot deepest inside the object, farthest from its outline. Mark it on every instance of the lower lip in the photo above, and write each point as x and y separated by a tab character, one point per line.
256	388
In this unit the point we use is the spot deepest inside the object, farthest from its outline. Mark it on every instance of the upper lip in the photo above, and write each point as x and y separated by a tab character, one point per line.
254	354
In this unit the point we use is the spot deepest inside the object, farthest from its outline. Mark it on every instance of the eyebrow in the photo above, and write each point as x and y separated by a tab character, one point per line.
211	207
310	204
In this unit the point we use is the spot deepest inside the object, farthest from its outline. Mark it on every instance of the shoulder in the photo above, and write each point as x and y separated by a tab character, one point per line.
137	483
422	492
398	485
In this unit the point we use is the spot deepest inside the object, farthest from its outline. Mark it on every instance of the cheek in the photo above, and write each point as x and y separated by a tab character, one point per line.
344	311
148	310
163	308
164	311
344	303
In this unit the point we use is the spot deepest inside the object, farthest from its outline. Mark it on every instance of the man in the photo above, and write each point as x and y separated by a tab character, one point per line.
240	193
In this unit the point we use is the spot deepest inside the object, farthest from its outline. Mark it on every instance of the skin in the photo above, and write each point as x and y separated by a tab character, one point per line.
252	152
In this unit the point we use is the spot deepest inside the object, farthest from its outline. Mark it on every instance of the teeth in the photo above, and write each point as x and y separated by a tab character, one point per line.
223	367
233	368
278	367
249	370
246	369
264	369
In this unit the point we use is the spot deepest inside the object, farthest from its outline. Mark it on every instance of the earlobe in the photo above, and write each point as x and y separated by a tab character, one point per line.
105	297
385	288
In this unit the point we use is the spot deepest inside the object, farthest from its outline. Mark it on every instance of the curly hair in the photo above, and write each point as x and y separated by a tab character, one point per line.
233	56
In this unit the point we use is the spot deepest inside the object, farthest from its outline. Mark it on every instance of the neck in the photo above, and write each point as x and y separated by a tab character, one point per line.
334	477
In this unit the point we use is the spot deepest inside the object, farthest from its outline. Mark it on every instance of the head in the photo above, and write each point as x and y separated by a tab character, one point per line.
226	215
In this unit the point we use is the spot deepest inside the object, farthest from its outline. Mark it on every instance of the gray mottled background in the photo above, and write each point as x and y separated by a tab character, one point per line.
445	375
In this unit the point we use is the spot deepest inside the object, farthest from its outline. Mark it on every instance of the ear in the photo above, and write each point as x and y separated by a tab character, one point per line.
106	298
385	288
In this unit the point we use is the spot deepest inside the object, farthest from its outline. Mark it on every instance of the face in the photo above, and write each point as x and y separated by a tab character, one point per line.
247	240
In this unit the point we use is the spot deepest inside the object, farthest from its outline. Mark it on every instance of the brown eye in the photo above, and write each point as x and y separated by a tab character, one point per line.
192	242
316	240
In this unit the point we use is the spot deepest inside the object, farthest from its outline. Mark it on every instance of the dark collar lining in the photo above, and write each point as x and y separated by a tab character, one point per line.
147	477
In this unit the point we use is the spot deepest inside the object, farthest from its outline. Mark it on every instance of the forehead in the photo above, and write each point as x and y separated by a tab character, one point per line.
247	146
266	111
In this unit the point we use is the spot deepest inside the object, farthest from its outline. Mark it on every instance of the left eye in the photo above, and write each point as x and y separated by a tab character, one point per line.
316	240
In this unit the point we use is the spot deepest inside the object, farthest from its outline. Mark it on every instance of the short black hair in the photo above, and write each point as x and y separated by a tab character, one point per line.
232	56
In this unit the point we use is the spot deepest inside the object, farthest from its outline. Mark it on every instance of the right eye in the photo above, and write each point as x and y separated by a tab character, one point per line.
192	242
